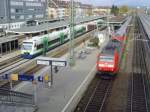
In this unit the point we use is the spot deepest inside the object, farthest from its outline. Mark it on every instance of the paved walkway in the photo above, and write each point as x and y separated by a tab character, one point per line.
66	82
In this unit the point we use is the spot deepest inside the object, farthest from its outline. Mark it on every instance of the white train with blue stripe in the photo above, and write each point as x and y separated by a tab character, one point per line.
34	47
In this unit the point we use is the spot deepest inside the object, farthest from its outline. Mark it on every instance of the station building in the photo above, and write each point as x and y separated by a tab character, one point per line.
13	13
10	43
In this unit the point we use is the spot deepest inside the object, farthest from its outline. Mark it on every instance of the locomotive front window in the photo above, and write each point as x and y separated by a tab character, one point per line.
106	59
27	46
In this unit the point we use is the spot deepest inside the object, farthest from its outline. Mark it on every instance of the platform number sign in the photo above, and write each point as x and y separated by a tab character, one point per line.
51	62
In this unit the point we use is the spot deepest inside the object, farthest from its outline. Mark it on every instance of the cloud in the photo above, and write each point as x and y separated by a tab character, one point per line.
118	2
132	2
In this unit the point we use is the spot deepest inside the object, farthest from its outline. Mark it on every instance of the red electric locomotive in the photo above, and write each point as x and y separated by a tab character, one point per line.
109	59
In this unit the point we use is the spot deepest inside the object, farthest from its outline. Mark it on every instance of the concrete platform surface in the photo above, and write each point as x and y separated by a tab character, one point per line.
66	82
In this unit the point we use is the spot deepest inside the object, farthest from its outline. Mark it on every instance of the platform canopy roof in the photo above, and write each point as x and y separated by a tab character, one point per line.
49	26
117	20
8	38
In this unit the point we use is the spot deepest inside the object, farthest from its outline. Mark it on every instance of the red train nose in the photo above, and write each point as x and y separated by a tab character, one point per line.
106	67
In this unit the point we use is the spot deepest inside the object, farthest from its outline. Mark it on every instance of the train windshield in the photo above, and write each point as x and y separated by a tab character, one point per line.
106	58
27	46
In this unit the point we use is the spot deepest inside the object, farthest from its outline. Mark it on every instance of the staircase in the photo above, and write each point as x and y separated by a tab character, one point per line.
12	101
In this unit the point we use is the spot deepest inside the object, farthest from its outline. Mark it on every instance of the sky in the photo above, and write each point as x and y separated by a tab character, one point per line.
117	2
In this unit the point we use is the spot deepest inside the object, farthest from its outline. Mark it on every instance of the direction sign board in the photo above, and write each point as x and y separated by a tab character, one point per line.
59	63
43	62
52	61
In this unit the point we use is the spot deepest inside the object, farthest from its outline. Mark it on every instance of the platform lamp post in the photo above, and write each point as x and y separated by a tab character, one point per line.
71	35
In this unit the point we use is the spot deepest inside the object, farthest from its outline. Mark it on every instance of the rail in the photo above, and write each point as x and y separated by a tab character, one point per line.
96	96
16	98
137	101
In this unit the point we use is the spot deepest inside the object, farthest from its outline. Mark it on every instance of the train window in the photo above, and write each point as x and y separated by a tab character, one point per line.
54	41
65	36
57	29
40	46
27	43
106	58
27	46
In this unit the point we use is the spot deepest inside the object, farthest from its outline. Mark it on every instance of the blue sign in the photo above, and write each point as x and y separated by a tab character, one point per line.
25	77
5	76
40	79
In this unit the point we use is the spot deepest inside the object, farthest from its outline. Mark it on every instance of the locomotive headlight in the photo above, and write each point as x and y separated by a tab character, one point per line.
101	65
110	65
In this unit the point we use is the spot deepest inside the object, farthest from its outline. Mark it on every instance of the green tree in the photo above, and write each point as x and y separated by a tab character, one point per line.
124	9
94	41
114	10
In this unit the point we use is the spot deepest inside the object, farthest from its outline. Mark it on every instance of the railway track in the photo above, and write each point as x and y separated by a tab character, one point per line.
12	65
35	68
137	101
146	53
10	62
96	96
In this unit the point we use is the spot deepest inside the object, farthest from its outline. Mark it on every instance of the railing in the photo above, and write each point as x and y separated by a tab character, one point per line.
12	97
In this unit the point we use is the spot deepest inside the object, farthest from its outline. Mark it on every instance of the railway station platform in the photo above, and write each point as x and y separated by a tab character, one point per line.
10	55
69	84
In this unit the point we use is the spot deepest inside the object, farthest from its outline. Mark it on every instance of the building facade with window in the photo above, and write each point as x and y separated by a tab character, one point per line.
61	8
12	11
58	9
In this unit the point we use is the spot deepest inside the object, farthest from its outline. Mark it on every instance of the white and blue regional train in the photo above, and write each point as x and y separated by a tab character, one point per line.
34	47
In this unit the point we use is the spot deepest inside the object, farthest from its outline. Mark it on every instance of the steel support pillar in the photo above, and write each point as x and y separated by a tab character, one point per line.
71	35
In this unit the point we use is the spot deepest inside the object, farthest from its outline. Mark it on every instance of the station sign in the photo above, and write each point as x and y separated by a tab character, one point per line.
22	77
14	77
59	63
40	79
44	78
30	77
25	77
43	62
4	77
51	61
